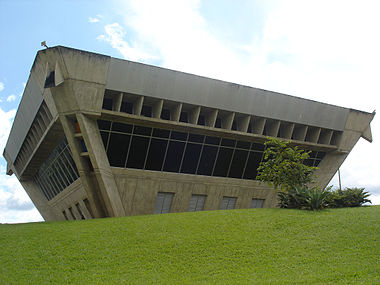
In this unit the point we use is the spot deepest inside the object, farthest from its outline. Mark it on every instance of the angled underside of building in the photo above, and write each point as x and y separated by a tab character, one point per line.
96	136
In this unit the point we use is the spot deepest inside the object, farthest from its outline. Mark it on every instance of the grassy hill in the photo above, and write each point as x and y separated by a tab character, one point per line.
253	246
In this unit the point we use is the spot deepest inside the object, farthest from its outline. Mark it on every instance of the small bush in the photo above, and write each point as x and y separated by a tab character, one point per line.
349	197
304	198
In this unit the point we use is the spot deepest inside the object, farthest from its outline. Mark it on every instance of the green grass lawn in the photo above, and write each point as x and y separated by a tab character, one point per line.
253	246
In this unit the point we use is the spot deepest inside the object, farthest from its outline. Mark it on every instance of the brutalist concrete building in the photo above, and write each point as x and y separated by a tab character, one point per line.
96	136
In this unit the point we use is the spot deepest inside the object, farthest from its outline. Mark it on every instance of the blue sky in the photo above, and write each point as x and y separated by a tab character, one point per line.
322	50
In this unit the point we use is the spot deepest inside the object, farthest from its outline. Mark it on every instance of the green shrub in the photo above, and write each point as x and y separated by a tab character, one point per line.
304	198
349	197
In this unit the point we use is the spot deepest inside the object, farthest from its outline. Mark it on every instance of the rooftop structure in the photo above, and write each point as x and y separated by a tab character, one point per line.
95	136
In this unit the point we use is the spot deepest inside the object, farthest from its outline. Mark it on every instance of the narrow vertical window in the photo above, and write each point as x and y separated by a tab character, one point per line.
163	202
257	203
197	203
228	203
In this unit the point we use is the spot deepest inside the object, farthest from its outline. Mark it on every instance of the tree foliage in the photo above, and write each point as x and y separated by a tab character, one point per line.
283	166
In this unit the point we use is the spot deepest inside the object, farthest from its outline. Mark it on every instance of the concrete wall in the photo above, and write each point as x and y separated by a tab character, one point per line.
138	190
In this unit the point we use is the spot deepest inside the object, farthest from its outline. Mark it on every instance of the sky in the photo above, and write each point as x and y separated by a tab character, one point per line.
322	50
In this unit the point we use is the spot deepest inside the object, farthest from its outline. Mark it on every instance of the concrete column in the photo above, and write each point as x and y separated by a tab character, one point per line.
93	196
102	169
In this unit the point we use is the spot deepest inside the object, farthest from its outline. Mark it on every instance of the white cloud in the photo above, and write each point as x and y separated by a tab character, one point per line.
1	86
11	98
15	204
93	20
115	36
312	49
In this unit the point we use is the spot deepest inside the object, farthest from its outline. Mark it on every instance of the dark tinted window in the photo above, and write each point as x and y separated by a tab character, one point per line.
223	162
178	136
238	163
107	104
243	144
218	123
228	142
174	156
104	136
201	120
124	128
184	117
104	125
160	133
207	161
156	154
137	152
126	107
258	146
146	111
196	138
254	160
190	160
117	149
212	140
139	130
165	114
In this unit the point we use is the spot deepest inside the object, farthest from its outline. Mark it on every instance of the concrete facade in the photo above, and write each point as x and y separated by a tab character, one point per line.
96	136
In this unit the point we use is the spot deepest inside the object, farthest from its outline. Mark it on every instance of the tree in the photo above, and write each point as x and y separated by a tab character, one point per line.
283	166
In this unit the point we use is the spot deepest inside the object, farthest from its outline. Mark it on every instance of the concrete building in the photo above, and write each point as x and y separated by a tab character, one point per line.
96	136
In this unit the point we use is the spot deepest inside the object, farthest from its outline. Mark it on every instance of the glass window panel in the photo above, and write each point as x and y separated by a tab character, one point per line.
228	203
223	162
196	138
140	130
238	163
178	136
321	154
197	203
254	160
107	104
257	203
234	126
126	107
117	149
174	156
104	136
161	133
137	152
165	114
123	128
258	146
243	144
207	161
104	125
201	120
156	154
218	123
228	142
184	117
146	111
212	140
191	158
163	203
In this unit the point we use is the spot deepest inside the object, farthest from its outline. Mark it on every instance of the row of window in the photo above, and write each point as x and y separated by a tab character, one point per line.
57	172
203	116
140	147
164	202
80	211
